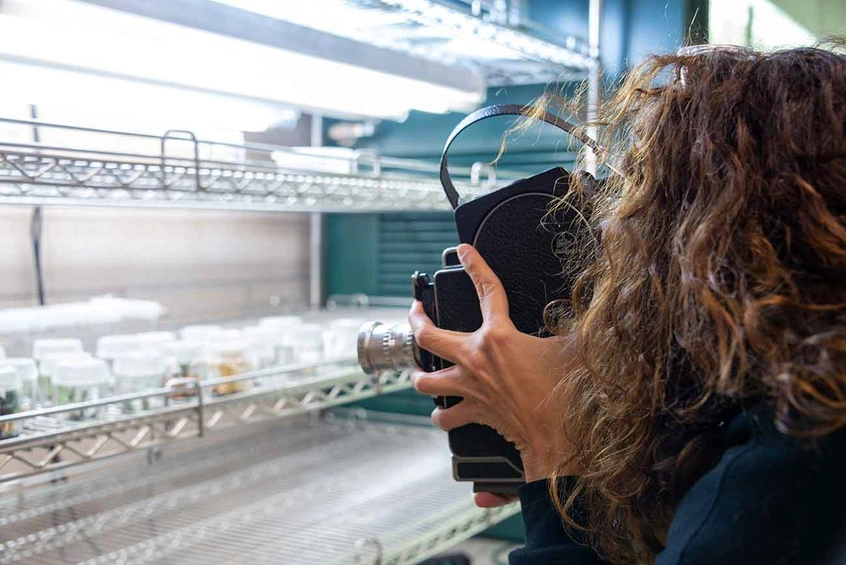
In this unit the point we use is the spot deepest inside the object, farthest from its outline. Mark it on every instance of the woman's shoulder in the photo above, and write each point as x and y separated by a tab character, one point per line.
772	498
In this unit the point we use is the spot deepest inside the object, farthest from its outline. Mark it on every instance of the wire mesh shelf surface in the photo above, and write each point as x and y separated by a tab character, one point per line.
351	492
178	169
49	441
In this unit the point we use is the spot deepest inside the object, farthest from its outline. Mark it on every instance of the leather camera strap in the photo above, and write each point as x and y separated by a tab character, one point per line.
501	110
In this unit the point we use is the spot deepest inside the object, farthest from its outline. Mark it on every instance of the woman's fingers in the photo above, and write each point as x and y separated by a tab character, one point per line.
447	382
445	344
463	413
491	500
491	293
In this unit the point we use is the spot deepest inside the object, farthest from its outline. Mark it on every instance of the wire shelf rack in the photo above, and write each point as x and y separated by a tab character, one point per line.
505	50
178	169
329	493
50	441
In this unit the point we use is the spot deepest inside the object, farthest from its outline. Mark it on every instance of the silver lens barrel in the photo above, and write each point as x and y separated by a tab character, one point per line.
383	347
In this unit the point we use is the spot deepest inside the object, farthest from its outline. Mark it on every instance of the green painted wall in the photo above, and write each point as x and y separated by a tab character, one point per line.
823	18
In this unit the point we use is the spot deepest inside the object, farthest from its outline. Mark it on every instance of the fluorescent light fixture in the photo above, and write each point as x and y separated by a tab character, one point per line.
87	41
101	101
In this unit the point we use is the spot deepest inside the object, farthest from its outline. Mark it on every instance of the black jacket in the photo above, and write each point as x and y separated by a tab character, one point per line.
771	500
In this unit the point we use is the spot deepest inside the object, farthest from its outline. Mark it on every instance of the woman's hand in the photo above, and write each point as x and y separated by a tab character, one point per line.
507	378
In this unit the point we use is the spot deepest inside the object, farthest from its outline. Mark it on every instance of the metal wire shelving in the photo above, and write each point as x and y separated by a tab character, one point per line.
178	169
49	441
496	42
330	493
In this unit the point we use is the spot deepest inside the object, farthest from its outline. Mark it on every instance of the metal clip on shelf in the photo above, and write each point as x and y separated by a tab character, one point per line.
48	433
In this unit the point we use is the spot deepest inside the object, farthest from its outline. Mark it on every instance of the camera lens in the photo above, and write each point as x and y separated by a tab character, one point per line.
383	347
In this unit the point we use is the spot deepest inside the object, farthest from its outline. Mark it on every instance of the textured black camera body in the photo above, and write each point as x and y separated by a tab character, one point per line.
524	238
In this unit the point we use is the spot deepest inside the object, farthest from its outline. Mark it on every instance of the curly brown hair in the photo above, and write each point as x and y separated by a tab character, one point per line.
720	280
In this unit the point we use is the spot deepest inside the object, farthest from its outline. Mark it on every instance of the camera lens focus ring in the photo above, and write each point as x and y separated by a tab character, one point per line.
382	347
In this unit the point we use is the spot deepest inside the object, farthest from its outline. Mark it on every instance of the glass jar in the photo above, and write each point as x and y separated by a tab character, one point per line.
285	326
262	343
11	393
141	371
340	339
46	368
184	364
227	358
53	348
307	343
82	380
28	373
110	347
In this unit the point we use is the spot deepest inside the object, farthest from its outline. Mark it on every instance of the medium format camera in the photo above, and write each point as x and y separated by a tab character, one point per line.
524	238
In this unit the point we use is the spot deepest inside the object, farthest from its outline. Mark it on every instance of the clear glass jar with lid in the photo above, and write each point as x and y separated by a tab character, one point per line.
11	393
110	347
52	348
82	380
286	327
340	338
262	343
28	372
140	371
46	369
227	357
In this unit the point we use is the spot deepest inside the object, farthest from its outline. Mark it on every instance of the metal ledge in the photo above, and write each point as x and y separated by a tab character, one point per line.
247	178
50	442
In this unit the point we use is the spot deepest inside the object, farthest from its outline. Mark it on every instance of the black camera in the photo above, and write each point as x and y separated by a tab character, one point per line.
525	238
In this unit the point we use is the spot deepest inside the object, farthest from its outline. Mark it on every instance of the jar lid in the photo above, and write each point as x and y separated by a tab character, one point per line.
10	379
25	367
111	346
280	322
198	331
47	365
184	351
155	338
138	364
42	347
88	371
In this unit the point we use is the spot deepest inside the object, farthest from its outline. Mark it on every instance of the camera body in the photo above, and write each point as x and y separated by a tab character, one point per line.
524	238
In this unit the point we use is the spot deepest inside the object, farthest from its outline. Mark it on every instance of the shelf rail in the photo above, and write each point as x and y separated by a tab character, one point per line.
50	441
179	169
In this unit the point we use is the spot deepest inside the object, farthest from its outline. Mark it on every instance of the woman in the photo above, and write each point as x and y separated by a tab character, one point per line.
692	408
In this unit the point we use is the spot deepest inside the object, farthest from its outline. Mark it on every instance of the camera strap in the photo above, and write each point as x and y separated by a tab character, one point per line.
502	110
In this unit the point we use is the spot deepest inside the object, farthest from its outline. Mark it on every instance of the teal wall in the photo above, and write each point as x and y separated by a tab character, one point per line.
356	244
